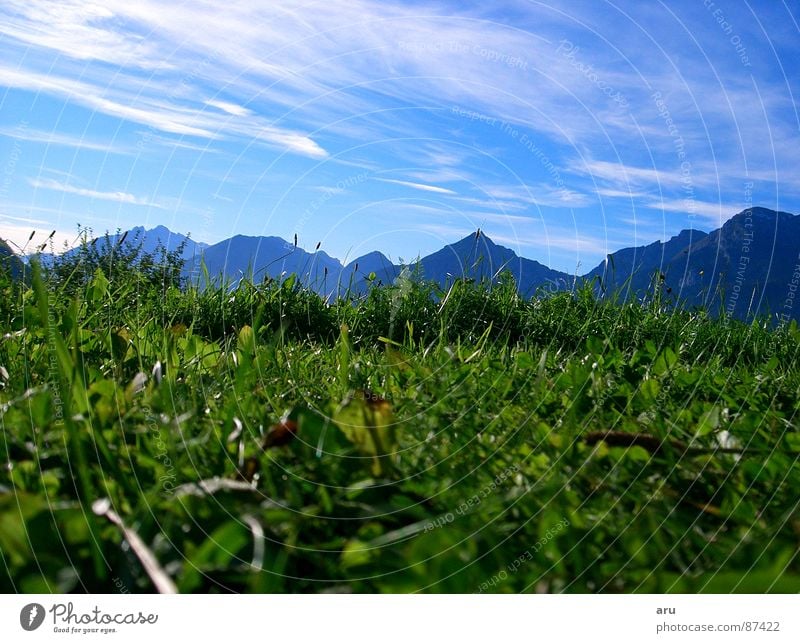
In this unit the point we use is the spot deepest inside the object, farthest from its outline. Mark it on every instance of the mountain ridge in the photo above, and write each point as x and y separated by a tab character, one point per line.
746	265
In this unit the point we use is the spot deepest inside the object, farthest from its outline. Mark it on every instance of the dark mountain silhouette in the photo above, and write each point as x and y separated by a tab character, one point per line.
478	257
630	271
751	264
474	257
356	274
150	240
9	262
259	257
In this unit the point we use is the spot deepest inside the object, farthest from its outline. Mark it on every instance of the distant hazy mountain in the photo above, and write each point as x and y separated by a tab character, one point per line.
160	235
149	240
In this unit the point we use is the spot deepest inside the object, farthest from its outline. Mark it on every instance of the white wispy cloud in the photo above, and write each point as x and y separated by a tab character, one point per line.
418	186
295	58
119	197
172	143
229	108
159	117
153	111
289	57
494	205
61	139
538	194
305	58
612	193
82	30
620	174
715	213
31	220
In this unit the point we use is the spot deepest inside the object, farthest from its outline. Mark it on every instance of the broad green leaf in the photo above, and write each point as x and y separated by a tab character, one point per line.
368	422
709	422
99	287
246	342
666	361
15	512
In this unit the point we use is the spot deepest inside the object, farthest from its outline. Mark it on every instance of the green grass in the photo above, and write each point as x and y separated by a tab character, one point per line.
447	441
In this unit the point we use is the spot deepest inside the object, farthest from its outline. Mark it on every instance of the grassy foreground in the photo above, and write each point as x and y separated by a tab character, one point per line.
257	439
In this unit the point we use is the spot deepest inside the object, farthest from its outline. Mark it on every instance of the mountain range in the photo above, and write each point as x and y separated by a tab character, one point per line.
749	265
475	256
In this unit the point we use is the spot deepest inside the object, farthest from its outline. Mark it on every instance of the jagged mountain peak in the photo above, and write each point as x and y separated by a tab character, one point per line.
479	237
758	215
370	258
688	234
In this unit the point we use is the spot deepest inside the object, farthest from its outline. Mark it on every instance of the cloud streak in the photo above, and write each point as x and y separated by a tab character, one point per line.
63	140
119	197
170	117
229	108
715	213
418	186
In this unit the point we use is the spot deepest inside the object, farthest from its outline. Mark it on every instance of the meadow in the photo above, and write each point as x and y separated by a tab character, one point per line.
253	437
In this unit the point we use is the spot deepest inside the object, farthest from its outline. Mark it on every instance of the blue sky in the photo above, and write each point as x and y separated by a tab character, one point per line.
565	130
